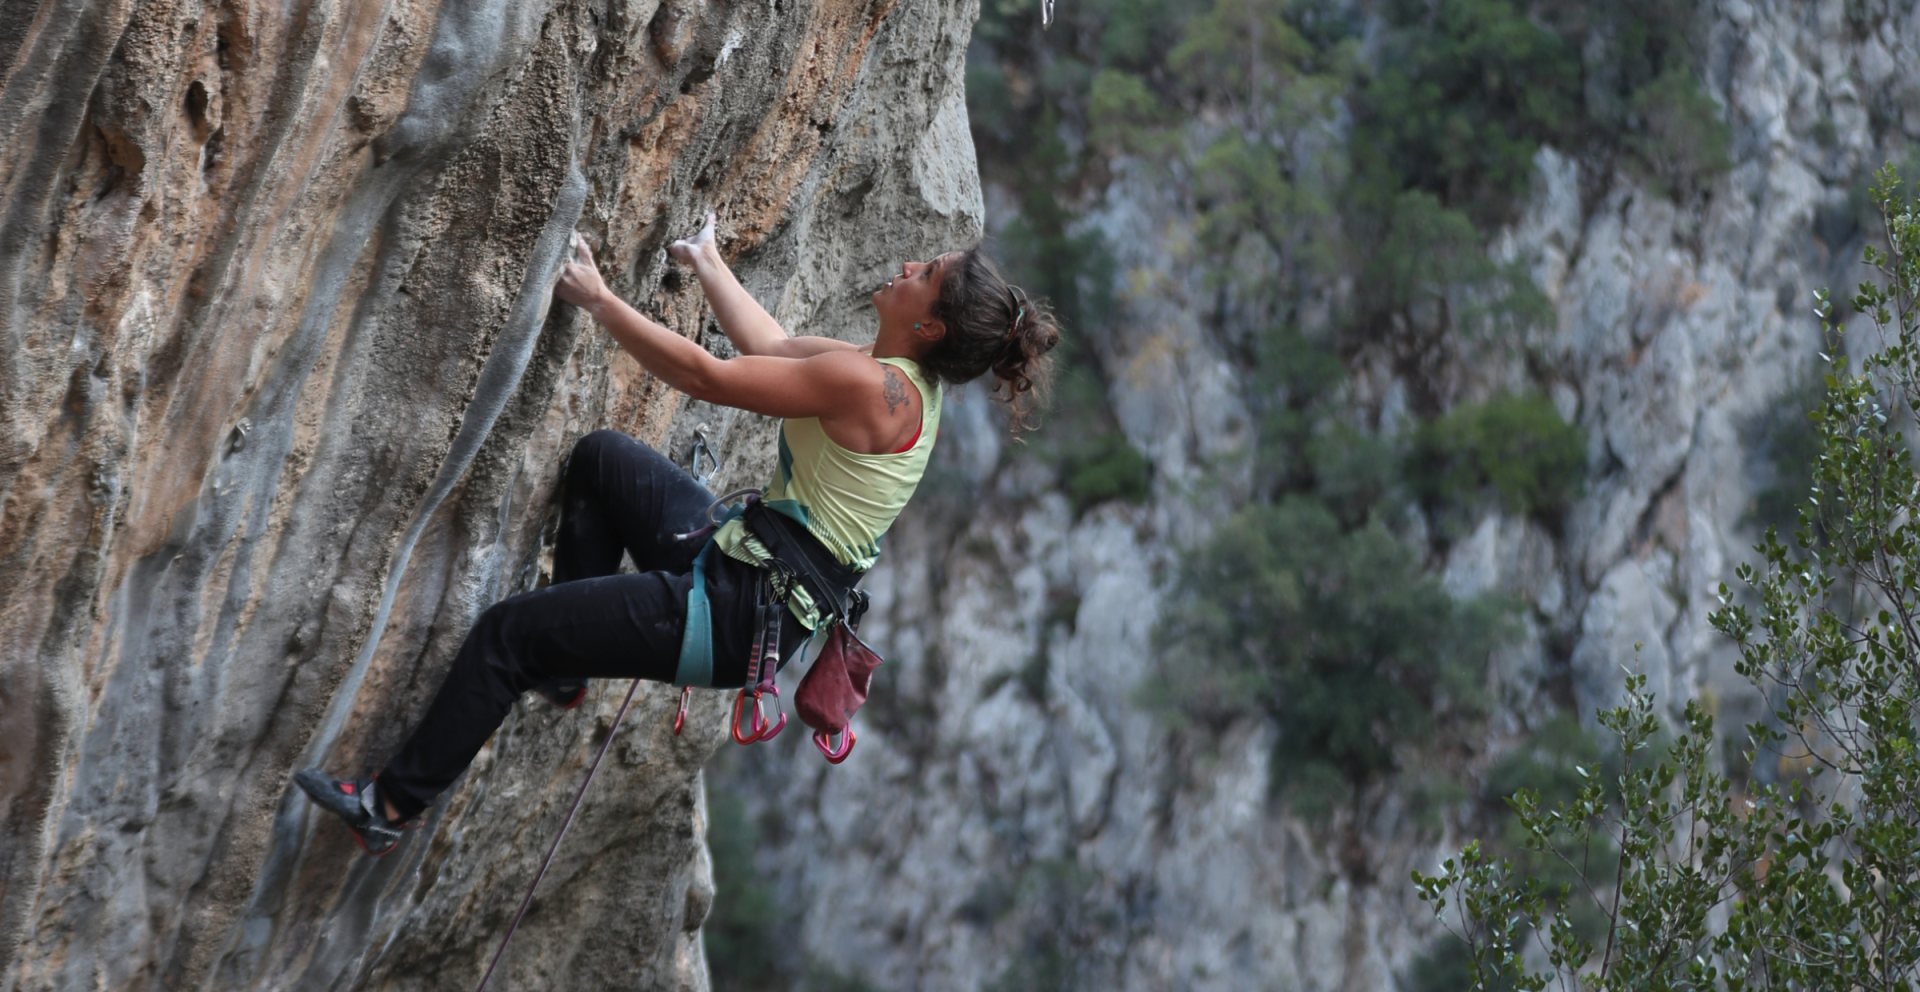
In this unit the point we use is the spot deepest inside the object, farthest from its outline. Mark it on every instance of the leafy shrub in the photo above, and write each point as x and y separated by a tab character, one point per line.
1125	115
1788	439
1334	634
1465	92
1105	467
1811	886
1678	137
1514	448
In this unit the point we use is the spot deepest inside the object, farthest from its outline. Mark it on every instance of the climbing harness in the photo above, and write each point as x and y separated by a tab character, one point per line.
547	862
695	667
842	671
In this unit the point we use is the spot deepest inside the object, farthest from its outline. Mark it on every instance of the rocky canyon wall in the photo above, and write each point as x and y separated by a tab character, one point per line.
1014	810
284	398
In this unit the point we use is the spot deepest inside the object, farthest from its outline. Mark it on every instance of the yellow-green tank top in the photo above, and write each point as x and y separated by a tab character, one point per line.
844	498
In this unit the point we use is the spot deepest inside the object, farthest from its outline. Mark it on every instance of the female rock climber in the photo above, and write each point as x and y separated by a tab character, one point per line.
859	425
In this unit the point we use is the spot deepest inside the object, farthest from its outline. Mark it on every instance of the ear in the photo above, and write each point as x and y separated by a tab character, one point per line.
930	331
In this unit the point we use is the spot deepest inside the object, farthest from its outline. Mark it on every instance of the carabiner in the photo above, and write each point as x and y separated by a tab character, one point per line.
702	448
680	715
738	737
824	741
769	732
757	728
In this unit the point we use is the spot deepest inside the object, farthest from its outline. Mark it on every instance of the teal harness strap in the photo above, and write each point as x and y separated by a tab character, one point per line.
696	645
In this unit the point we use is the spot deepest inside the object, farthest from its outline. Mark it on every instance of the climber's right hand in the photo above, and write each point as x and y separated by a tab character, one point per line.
580	283
688	251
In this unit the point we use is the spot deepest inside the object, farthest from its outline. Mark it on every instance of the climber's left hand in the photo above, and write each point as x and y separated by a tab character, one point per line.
580	283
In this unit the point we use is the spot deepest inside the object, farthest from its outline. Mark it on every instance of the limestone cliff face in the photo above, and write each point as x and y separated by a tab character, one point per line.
284	396
1014	789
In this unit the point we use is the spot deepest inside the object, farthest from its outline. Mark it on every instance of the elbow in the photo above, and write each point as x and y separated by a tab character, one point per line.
706	382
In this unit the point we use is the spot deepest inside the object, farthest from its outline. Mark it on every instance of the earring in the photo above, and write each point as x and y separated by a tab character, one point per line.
916	327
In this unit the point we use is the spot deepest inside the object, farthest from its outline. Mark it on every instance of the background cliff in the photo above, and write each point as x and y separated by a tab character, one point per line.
1506	299
284	399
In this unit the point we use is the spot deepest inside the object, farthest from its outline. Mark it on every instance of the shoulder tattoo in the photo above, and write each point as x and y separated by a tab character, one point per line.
895	391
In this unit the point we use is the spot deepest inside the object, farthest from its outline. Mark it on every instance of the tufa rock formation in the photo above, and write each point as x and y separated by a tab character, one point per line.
284	398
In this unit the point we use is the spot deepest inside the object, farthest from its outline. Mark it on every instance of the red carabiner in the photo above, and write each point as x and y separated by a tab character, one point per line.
680	716
758	728
738	737
824	741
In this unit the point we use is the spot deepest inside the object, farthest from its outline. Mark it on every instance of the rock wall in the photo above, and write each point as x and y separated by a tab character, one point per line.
1011	801
284	398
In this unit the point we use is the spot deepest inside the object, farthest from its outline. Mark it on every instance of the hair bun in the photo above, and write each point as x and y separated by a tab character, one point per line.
996	328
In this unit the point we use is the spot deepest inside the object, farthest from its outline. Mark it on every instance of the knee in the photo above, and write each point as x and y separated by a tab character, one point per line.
595	446
591	452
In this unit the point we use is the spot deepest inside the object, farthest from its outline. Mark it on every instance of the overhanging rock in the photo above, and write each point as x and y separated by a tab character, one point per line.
282	406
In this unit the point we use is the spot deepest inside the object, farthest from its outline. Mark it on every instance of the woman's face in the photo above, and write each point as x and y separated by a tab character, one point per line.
909	296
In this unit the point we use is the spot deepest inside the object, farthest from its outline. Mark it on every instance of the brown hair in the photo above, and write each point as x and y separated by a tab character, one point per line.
992	327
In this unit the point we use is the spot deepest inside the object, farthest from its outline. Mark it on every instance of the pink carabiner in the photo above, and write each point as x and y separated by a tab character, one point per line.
824	741
680	715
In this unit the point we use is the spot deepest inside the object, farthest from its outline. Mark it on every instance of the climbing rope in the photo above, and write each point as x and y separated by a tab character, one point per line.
568	822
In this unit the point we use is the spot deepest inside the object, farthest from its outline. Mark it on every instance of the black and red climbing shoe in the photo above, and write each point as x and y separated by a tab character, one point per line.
352	800
564	693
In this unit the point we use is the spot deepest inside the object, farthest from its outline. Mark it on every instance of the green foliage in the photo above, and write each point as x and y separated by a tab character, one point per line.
1054	907
1788	437
1447	966
1811	886
1514	449
1428	279
1465	92
1333	633
1678	138
746	933
1124	115
1105	467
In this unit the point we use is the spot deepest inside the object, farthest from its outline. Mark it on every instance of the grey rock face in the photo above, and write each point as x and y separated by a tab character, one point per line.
284	399
1007	740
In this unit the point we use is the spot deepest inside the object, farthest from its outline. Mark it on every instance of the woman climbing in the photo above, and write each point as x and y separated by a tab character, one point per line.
859	425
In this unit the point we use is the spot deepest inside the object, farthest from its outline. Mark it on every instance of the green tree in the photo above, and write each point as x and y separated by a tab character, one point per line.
1333	633
1815	885
1513	450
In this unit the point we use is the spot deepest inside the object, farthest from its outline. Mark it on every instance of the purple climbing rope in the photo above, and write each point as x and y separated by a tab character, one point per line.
544	865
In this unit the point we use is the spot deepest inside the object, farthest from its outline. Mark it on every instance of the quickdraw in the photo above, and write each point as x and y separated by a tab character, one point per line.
760	674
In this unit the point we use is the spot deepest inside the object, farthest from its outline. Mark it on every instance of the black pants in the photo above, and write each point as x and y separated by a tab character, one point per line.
618	495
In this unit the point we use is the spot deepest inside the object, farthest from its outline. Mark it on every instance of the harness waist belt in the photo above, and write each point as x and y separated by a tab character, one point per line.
827	579
830	582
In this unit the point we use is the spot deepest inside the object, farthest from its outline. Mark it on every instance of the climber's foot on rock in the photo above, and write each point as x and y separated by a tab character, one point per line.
687	251
353	801
564	693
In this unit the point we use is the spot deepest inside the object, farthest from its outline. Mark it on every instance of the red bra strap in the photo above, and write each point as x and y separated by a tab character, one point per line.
903	449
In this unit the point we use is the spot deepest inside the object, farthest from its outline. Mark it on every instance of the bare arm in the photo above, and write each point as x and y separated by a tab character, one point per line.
839	384
742	319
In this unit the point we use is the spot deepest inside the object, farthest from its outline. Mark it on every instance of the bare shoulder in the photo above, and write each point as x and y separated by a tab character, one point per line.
847	367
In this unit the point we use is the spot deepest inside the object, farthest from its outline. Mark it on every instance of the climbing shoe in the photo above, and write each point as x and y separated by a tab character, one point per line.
352	800
564	693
